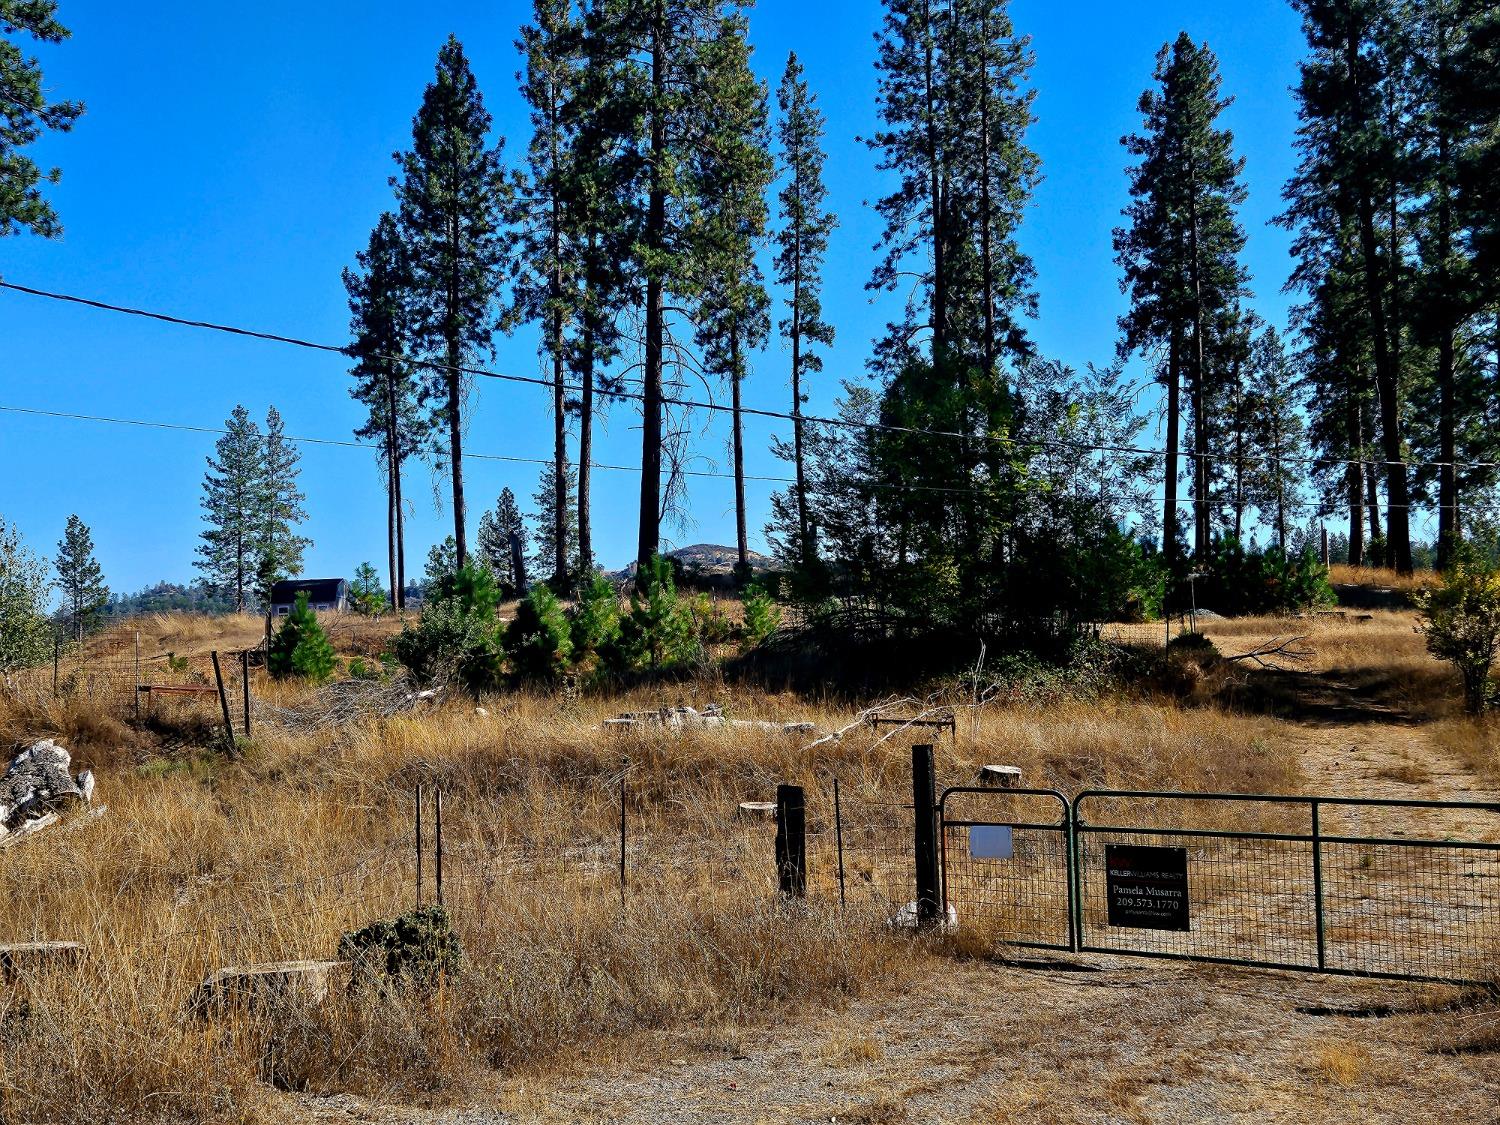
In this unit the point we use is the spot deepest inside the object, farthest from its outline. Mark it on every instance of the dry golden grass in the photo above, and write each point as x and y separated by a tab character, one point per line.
203	862
1475	743
1344	575
1342	1064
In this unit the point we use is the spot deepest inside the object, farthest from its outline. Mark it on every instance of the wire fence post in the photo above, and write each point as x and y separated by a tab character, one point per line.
838	835
791	841
625	769
245	686
925	842
419	844
137	693
437	830
56	652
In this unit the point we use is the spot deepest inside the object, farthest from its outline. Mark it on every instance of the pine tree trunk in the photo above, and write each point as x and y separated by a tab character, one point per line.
455	452
656	220
559	461
1387	372
742	539
1174	422
586	448
400	539
1201	513
1450	527
392	483
939	261
804	543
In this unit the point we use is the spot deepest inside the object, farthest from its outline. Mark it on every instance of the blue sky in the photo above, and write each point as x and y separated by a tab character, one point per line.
233	159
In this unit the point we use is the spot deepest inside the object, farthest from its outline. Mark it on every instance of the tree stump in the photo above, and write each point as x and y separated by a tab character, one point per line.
265	986
24	959
1000	777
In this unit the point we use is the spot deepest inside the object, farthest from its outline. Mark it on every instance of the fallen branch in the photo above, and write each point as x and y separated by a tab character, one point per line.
1264	654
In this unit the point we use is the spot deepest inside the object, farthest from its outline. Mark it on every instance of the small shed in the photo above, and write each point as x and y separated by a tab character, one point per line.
326	594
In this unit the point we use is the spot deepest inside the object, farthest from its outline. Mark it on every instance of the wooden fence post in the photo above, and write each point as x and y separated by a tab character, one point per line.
223	703
791	841
925	836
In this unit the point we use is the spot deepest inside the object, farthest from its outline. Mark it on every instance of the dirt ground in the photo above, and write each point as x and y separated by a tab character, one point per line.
1079	1038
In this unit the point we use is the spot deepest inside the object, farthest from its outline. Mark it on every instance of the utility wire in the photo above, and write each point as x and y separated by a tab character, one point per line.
1146	503
843	423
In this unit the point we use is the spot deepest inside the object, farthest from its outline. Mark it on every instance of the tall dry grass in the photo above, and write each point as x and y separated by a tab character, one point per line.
203	862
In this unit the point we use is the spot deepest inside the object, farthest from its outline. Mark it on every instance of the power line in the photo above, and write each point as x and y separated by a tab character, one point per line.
1146	503
715	407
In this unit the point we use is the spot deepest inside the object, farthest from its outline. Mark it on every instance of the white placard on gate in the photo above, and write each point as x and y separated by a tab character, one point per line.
990	841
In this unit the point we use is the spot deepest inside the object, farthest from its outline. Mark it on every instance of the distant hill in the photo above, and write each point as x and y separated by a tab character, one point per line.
712	559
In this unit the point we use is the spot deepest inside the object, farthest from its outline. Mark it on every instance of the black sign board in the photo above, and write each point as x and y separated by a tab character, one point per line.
1148	886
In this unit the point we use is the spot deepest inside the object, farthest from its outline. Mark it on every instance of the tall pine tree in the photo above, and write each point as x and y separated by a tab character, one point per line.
502	535
651	56
234	509
453	197
733	172
1180	252
801	244
80	578
547	220
386	383
281	547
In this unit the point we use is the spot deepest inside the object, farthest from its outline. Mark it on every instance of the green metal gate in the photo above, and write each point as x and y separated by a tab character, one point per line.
1406	890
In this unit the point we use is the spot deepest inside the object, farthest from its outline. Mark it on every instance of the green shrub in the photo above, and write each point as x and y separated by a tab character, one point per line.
1237	581
657	632
762	615
1462	621
361	669
300	648
416	948
709	624
539	641
595	620
458	636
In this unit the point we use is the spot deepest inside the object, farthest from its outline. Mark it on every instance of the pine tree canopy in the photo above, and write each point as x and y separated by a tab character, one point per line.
26	114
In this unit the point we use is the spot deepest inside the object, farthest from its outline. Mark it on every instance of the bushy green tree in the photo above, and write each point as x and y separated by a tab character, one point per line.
459	636
25	633
300	648
365	595
762	616
1462	621
657	631
539	641
595	619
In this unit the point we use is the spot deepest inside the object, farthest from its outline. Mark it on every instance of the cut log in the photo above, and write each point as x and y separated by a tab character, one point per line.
1000	777
19	960
268	985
